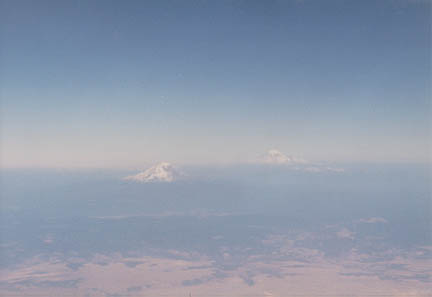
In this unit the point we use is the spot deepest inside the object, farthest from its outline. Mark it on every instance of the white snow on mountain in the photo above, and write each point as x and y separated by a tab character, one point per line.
162	172
274	156
374	220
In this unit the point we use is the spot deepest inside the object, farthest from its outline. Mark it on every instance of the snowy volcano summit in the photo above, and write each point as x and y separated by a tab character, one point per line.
276	157
162	172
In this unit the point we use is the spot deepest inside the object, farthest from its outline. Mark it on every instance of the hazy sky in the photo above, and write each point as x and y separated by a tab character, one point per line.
124	83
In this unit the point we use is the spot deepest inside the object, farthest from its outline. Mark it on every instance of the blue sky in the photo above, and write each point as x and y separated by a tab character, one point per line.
109	83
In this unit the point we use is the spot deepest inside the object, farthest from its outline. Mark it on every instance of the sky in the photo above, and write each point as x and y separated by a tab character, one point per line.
125	83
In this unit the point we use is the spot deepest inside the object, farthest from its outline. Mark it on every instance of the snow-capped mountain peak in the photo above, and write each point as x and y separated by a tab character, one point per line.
276	157
162	172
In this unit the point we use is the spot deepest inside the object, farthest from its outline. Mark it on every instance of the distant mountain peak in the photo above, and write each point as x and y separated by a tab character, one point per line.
162	172
274	156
